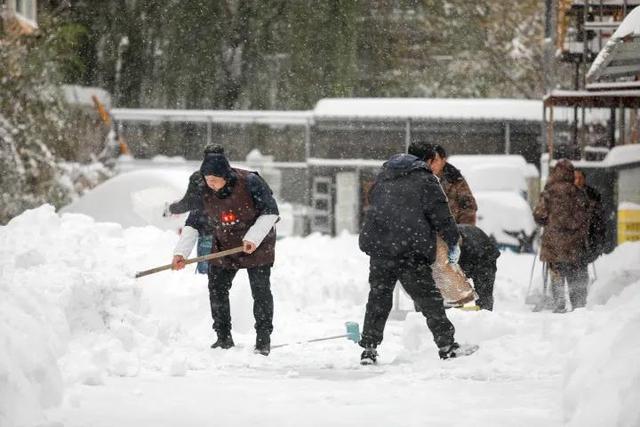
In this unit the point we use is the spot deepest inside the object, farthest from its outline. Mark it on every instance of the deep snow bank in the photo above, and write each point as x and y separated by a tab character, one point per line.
65	280
602	377
71	313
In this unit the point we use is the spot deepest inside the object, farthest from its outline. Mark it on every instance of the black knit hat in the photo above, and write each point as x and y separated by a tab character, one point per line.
215	164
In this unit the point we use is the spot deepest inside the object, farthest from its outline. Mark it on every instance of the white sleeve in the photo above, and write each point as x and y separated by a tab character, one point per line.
260	229
187	240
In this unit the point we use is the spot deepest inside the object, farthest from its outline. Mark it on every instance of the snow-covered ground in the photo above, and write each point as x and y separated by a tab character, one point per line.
82	343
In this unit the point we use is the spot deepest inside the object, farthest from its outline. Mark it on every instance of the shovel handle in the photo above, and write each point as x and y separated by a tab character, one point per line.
313	340
191	260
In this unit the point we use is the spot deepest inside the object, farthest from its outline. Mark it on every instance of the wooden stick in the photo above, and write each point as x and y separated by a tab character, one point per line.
192	260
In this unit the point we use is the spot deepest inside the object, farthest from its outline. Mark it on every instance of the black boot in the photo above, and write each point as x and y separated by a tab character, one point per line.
369	356
224	342
456	350
263	344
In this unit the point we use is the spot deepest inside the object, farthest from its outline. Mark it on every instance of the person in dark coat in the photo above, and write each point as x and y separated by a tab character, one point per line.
563	211
407	207
478	257
192	199
192	202
461	201
240	211
597	228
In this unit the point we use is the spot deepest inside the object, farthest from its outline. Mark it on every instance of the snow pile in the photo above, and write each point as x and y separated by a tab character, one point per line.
73	320
616	271
67	294
135	199
602	378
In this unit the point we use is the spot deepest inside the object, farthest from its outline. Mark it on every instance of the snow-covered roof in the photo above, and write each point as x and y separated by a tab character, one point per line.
428	108
299	118
620	155
621	55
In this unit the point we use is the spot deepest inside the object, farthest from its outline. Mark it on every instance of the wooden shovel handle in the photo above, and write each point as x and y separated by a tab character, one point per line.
192	260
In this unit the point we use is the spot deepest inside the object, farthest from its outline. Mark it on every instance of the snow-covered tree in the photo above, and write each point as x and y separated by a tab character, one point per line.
37	130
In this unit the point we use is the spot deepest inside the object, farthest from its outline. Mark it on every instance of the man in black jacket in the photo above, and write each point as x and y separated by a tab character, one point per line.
407	208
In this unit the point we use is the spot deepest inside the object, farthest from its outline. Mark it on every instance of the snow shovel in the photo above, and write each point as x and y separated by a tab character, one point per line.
192	260
532	298
353	334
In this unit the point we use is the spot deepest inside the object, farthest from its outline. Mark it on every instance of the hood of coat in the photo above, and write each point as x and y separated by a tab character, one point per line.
402	164
562	172
451	173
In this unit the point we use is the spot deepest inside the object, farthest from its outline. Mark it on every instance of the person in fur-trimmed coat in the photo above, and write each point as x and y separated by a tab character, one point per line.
563	211
462	204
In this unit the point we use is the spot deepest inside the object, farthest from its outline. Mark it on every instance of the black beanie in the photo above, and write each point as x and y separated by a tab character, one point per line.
215	164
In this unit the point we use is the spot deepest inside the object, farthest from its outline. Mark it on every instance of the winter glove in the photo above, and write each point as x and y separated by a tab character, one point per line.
454	254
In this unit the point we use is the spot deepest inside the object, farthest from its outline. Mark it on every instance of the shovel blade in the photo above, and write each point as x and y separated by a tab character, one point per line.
353	331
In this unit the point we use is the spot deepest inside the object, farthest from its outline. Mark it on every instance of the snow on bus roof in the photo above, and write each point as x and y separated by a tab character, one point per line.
429	108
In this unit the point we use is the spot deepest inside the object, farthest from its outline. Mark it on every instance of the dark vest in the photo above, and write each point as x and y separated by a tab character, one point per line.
230	219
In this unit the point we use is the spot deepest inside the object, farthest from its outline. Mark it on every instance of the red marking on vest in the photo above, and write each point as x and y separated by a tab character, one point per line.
228	217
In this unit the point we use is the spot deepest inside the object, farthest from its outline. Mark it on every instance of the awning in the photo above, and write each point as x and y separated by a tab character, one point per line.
592	99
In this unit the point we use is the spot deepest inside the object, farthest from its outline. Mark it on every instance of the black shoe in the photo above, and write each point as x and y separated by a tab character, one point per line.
263	344
224	342
369	356
456	350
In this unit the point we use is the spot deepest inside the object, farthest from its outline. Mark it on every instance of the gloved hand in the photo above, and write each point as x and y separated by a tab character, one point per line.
454	254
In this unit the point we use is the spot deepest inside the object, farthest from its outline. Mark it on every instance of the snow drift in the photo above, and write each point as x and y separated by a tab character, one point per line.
72	318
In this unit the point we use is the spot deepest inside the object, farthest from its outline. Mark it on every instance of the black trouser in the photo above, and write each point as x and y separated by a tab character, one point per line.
577	278
483	274
416	278
219	284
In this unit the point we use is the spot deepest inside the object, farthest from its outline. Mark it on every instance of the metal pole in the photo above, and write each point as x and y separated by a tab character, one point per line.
407	135
209	132
585	45
634	126
583	132
543	132
600	30
574	127
507	138
551	8
612	128
550	134
622	125
307	141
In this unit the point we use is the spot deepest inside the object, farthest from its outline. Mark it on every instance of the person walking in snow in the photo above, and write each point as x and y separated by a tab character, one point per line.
240	210
563	211
461	201
407	207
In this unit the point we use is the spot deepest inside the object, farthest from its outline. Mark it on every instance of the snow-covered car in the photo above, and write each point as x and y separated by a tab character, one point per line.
502	186
135	199
505	215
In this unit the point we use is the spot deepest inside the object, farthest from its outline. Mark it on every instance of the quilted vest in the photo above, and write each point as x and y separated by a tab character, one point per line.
231	218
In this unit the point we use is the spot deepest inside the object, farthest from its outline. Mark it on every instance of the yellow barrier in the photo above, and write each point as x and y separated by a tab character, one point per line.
628	225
